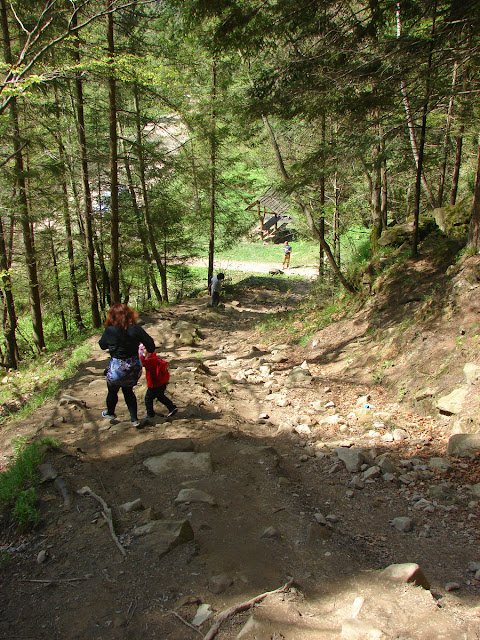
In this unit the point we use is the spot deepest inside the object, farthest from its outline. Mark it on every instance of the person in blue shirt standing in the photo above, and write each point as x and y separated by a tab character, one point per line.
287	250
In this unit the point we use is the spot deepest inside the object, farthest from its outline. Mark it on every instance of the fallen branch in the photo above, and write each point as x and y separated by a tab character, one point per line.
107	515
228	613
54	580
174	613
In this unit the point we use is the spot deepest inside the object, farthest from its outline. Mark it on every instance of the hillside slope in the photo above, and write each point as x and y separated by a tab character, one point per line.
322	464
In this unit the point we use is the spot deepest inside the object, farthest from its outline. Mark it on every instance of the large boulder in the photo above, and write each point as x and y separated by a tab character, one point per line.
454	220
398	234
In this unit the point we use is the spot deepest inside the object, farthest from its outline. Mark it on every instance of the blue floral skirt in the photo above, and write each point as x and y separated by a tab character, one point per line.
124	373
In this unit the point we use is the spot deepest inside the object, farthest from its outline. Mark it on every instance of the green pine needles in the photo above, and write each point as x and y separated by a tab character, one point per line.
17	483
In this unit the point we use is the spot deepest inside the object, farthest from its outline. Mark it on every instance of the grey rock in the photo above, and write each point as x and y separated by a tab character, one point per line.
371	473
320	518
250	630
224	377
464	445
356	483
428	392
270	532
180	462
47	472
471	372
298	374
42	556
164	535
135	505
474	566
406	572
352	458
444	492
219	583
423	505
454	401
194	495
402	524
385	464
399	435
440	465
203	613
452	586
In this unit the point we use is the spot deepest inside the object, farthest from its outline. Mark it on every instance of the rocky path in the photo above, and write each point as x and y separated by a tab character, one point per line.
283	471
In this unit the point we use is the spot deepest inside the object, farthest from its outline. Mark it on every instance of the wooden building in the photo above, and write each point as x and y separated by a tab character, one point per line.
272	213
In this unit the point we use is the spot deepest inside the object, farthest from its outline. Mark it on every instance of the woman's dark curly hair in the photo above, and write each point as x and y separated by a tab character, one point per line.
120	315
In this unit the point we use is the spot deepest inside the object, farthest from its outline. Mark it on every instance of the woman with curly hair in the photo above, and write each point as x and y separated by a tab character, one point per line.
122	337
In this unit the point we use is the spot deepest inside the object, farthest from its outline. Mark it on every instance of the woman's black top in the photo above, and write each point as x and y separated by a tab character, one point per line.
123	343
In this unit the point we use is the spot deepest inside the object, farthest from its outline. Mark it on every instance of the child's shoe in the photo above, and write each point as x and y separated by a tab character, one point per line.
149	415
172	412
107	415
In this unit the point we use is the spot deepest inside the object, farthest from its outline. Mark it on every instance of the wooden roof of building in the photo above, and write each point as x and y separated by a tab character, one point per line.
272	202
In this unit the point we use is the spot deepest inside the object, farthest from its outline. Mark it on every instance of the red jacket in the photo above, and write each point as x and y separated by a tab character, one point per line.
156	371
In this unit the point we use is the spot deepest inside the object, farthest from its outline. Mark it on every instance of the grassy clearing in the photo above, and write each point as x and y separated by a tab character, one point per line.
303	253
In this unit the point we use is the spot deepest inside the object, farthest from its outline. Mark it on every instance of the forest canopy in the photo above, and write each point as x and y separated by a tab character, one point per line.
134	135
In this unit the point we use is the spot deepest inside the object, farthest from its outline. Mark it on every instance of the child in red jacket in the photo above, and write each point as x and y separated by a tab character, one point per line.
156	371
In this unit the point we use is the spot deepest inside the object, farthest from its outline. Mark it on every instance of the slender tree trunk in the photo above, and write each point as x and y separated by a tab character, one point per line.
10	323
474	231
67	221
322	198
91	275
456	167
114	213
53	253
30	257
150	276
197	207
416	213
336	220
383	181
377	221
448	124
146	202
213	159
411	127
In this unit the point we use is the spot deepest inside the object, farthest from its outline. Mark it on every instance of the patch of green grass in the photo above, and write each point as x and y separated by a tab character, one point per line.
17	482
40	379
303	252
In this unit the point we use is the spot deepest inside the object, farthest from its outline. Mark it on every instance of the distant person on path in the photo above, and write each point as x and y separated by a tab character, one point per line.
156	371
287	250
122	337
215	287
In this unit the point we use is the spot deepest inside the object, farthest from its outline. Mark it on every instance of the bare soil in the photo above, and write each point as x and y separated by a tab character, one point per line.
269	482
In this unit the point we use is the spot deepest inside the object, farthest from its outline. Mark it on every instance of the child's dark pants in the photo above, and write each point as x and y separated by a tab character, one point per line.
157	393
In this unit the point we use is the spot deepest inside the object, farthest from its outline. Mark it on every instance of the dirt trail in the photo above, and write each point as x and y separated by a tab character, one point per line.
259	267
265	500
